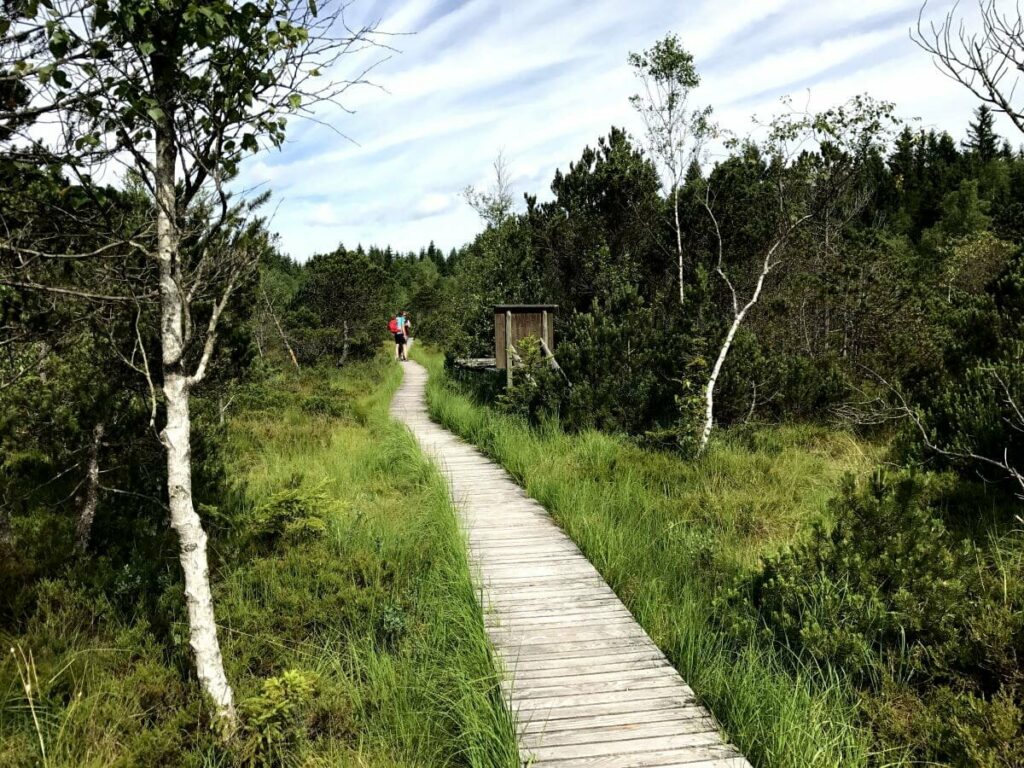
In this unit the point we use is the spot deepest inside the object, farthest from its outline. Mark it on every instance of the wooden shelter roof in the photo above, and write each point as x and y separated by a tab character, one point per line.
524	307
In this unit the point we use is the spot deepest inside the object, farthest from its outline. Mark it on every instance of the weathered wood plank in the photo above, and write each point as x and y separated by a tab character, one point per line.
632	670
582	726
576	711
703	756
611	734
548	665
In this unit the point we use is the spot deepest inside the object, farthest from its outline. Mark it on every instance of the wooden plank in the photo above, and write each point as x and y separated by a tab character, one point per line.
578	705
580	686
585	725
696	756
653	668
610	734
576	711
608	617
550	665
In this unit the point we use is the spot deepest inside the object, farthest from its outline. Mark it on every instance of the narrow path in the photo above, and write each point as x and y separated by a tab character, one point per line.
590	688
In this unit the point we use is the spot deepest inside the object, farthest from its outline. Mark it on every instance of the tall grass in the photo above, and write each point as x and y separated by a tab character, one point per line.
340	558
668	535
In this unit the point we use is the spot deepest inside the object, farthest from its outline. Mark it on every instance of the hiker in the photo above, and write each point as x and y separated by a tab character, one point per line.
395	329
407	329
401	332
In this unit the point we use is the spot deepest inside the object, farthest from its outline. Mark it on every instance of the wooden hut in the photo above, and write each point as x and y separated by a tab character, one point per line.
514	322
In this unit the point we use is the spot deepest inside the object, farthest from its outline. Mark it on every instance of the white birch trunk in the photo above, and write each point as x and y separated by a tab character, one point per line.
709	391
737	321
679	241
176	439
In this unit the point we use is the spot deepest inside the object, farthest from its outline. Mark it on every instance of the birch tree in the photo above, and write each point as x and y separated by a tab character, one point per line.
811	171
177	92
677	131
496	204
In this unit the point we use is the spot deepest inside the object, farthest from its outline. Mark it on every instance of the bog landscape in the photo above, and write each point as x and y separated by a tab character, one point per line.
698	441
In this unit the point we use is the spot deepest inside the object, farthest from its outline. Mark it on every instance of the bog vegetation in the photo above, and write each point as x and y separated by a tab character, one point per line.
789	423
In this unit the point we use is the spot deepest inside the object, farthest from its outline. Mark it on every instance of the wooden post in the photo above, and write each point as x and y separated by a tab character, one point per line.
544	328
508	346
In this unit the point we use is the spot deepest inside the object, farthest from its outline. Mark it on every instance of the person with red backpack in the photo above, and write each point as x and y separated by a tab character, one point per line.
395	328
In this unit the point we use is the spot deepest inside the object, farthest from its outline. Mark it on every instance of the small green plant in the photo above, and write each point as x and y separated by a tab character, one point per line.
537	391
274	720
294	513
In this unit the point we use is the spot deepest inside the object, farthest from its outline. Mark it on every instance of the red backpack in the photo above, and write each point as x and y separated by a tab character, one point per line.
393	325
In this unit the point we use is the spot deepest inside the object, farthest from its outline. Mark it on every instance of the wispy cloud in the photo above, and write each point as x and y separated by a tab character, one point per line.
540	79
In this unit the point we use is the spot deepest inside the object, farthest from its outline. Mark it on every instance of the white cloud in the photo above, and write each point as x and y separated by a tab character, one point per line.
434	204
542	78
322	215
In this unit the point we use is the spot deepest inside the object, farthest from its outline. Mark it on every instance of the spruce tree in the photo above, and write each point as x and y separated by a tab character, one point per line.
982	139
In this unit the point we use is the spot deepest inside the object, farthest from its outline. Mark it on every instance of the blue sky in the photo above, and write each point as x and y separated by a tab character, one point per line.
540	79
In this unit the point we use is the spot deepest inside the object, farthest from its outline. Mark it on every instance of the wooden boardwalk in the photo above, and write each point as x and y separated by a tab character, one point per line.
589	687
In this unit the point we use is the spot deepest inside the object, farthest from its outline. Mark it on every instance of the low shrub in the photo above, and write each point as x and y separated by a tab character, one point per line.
537	391
292	514
927	627
275	721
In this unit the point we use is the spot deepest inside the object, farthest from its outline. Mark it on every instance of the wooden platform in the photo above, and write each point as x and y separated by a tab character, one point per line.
589	687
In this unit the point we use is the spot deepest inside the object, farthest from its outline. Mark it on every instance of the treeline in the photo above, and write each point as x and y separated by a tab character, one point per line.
910	295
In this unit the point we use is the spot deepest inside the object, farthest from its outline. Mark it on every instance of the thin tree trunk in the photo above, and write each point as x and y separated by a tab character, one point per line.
679	242
709	390
176	438
344	344
737	321
83	529
280	330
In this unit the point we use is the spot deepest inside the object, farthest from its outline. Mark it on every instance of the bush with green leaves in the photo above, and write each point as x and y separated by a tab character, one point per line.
974	406
537	391
929	628
625	364
274	720
341	308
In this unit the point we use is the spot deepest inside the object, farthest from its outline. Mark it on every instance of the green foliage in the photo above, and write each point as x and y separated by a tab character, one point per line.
292	514
759	384
970	408
928	627
667	62
341	308
625	364
274	720
537	391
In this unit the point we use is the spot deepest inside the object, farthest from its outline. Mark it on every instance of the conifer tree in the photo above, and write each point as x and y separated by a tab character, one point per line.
982	139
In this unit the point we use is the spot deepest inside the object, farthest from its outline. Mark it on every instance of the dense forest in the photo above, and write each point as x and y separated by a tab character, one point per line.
191	421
